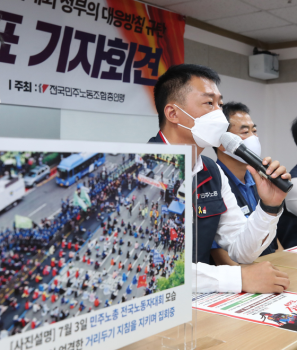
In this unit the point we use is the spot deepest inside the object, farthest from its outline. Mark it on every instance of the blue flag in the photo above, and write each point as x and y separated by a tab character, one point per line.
18	161
165	209
156	257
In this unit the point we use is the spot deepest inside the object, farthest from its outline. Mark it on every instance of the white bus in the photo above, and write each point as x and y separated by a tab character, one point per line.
12	190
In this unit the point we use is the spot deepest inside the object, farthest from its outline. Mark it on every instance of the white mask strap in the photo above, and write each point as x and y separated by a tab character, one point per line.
185	113
184	126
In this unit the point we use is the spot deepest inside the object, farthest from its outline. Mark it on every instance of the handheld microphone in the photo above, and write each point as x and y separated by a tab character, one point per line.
234	144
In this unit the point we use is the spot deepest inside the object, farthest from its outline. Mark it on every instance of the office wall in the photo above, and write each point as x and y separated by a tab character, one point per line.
29	122
80	125
280	112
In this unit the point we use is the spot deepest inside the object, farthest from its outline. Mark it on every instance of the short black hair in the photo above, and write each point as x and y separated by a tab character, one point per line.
172	85
294	130
230	109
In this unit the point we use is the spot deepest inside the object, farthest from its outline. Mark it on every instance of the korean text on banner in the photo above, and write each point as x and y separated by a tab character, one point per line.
102	56
151	182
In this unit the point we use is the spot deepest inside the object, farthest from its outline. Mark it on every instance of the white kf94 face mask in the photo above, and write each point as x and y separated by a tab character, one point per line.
252	143
208	128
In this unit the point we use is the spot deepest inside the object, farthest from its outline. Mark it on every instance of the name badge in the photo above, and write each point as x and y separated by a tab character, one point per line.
245	210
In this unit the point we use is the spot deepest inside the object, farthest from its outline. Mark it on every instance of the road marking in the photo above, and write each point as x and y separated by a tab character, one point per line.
177	174
167	169
160	168
140	254
114	264
56	212
136	260
25	328
136	206
110	250
47	180
172	171
131	252
37	210
141	266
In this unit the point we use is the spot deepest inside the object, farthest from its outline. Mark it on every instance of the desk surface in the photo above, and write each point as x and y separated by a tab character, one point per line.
217	332
285	259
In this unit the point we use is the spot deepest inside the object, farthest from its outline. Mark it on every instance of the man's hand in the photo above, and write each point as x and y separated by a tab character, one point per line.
268	192
263	278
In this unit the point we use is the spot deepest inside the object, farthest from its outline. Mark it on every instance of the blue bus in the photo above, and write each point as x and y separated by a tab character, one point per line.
74	167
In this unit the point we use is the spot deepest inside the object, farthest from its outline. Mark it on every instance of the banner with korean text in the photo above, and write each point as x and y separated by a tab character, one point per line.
99	55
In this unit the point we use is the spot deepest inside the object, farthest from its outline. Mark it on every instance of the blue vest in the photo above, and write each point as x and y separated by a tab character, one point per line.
293	172
287	225
210	206
242	203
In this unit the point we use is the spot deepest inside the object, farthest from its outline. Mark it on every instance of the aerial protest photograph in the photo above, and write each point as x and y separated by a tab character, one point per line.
84	231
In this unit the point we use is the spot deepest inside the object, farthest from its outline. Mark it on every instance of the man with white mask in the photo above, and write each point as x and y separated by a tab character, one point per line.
240	180
189	106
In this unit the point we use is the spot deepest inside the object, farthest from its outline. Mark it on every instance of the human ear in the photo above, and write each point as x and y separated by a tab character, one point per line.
170	113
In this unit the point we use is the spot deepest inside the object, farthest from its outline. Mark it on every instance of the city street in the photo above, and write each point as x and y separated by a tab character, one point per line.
47	200
44	201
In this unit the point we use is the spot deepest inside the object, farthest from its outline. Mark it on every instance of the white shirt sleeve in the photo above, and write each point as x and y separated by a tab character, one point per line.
242	237
291	199
216	278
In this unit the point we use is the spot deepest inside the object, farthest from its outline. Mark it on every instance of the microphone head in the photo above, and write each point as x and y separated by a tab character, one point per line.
230	141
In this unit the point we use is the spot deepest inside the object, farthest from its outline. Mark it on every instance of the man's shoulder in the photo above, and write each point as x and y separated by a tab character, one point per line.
209	163
152	139
211	166
156	139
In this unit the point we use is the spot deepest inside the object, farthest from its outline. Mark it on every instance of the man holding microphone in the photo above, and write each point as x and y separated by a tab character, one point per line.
189	107
234	167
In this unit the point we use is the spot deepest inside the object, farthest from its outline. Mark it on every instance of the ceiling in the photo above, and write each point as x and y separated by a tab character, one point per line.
269	21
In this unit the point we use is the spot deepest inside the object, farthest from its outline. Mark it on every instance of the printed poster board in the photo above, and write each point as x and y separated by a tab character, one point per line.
88	259
276	310
291	250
